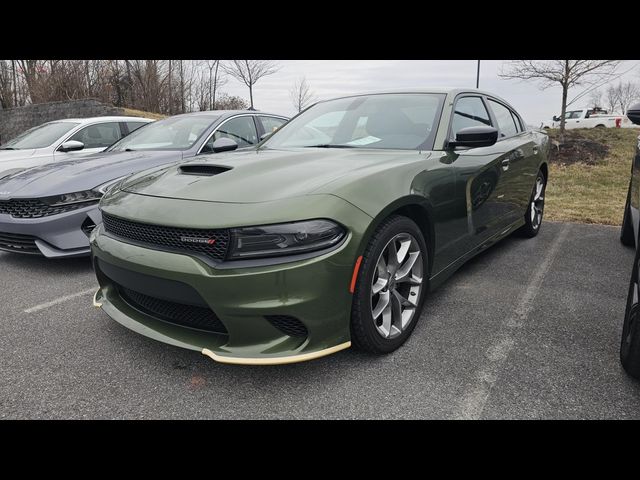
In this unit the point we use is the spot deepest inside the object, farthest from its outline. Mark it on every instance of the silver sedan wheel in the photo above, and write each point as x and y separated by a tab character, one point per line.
396	285
537	204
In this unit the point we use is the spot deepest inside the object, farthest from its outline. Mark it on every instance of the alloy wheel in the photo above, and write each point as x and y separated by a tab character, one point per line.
537	203
396	285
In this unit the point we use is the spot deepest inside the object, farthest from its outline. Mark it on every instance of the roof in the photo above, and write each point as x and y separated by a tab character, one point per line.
226	113
103	119
438	90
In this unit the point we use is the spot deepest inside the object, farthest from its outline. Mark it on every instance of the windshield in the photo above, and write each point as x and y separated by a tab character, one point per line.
388	121
174	133
40	136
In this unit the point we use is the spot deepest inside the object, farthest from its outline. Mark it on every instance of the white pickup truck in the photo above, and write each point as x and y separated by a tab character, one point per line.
589	118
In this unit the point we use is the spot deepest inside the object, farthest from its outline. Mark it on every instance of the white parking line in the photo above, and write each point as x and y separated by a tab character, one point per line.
496	354
66	298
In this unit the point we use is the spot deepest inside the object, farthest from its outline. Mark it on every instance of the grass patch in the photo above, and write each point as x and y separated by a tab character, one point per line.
139	113
587	190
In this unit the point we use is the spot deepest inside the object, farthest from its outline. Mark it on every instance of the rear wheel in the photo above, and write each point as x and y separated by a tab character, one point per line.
390	288
535	210
626	232
630	342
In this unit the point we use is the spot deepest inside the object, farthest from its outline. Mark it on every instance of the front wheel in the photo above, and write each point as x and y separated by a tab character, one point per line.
630	343
390	288
535	210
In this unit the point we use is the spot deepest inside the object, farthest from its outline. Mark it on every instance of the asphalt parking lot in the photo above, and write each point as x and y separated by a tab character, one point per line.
528	329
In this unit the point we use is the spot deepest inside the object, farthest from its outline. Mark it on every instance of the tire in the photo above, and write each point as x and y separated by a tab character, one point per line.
626	232
531	225
367	332
600	126
630	341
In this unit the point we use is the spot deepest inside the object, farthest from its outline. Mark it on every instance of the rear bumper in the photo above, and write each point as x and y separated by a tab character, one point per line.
55	236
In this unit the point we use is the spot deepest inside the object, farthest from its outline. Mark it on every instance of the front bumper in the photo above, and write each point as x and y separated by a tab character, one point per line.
314	291
54	236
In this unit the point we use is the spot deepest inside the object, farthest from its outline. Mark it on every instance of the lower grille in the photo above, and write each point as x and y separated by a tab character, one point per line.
289	325
200	318
14	242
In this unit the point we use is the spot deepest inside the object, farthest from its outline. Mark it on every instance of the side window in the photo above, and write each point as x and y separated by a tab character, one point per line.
271	124
469	112
132	126
517	121
241	130
506	124
98	136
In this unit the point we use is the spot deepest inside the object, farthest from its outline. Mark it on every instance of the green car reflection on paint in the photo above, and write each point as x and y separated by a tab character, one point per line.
332	231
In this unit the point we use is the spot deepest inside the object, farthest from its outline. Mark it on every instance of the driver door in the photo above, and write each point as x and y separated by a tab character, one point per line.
572	119
241	130
482	173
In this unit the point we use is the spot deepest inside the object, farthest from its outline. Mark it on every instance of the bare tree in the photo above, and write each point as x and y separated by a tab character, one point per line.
301	94
216	80
159	86
7	97
566	73
595	98
612	98
628	93
250	71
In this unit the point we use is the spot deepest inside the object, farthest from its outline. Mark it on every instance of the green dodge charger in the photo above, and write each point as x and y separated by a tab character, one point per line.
328	233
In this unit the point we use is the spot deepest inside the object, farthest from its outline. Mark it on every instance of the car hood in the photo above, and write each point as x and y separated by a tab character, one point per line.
259	176
8	155
81	174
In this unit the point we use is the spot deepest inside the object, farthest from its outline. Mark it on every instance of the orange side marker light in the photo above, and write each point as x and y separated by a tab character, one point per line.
354	277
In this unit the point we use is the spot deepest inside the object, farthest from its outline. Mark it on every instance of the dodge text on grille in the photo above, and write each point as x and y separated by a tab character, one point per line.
209	241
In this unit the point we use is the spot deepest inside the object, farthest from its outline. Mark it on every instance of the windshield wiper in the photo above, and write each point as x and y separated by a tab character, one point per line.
129	150
8	148
329	145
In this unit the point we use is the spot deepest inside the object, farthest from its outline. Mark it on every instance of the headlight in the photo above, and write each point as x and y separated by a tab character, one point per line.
85	196
284	239
76	197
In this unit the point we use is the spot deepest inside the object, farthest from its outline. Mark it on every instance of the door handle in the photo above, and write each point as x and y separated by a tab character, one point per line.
505	164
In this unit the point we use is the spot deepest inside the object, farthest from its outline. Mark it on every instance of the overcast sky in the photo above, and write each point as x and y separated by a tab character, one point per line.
331	78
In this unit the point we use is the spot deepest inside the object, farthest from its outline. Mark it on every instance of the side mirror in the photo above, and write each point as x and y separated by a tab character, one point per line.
224	145
475	137
633	113
71	146
265	135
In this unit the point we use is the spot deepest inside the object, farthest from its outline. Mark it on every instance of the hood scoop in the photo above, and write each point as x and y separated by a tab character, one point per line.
203	170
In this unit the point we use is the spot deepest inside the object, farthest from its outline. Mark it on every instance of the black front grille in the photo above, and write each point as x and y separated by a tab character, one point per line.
289	325
36	208
212	243
18	243
200	318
